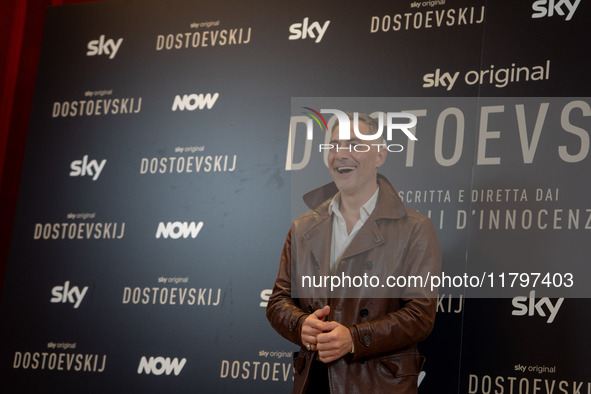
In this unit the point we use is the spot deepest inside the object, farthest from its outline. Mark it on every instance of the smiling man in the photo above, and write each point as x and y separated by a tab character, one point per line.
357	337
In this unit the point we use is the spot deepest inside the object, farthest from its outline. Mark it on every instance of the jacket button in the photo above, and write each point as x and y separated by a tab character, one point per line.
316	265
369	265
291	325
367	340
364	312
310	309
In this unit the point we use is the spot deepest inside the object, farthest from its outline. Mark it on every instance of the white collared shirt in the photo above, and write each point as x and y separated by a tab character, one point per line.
340	238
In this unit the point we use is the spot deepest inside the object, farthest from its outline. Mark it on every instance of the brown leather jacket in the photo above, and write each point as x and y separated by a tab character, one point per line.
394	240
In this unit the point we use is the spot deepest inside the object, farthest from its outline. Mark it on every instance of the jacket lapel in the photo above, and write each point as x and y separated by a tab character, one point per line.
319	238
368	237
388	206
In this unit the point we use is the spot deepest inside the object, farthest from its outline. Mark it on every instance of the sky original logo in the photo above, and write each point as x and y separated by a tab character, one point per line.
436	79
103	47
161	365
301	31
543	8
85	167
65	293
176	230
529	306
499	77
191	102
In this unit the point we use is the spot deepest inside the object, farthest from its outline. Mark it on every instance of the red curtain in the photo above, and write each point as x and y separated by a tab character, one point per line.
21	28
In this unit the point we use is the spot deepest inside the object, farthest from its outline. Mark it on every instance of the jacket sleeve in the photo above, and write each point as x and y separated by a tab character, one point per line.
414	320
283	312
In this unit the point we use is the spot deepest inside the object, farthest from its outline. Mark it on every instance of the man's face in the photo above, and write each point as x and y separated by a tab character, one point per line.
353	172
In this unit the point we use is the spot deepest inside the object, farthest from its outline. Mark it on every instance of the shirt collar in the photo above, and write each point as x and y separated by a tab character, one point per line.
365	210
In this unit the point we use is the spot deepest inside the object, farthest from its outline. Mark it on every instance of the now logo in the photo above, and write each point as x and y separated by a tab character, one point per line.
176	230
161	365
191	102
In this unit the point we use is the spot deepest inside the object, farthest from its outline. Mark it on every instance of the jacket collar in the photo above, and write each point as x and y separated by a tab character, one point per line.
389	205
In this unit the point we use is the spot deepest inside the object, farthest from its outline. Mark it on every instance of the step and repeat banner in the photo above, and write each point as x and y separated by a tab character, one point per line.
168	152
